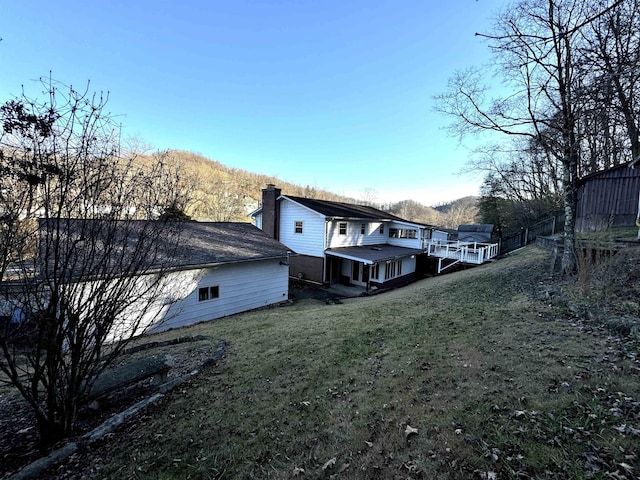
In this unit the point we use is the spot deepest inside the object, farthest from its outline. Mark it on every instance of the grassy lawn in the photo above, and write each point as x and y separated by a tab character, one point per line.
475	374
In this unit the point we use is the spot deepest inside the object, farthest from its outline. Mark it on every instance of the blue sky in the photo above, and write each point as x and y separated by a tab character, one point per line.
332	94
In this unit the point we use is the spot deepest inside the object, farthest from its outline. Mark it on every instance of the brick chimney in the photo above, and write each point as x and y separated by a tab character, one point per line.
271	211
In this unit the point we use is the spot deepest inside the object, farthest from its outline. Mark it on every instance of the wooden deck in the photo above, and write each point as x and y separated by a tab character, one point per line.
471	253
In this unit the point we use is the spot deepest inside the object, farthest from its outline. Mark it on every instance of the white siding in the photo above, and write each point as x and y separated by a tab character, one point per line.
439	235
405	242
242	287
257	220
408	266
311	240
354	237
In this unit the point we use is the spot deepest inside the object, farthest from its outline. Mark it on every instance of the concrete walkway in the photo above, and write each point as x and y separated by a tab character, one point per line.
329	295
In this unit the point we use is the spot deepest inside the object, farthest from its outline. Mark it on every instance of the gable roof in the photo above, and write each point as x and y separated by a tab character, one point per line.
618	171
93	247
344	210
205	243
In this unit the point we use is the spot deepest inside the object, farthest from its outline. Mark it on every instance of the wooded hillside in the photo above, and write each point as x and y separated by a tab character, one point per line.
207	190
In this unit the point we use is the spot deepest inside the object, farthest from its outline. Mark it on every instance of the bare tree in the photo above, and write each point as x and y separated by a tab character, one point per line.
536	45
369	197
175	189
612	58
83	267
416	212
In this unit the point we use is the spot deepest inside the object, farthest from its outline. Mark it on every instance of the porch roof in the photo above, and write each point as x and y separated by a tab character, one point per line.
370	254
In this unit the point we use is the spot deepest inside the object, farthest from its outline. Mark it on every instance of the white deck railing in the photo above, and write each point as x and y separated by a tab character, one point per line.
461	252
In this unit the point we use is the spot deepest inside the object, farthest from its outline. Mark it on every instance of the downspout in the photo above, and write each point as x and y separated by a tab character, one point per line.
324	254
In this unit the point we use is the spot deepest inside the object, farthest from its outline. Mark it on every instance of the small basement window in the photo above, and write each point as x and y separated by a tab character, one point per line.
208	293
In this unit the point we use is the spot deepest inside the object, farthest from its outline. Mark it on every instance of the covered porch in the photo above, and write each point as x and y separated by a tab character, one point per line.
371	265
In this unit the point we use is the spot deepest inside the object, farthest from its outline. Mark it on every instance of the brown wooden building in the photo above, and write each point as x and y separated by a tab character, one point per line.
608	198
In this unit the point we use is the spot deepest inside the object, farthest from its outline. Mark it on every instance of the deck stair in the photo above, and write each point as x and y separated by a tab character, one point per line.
450	253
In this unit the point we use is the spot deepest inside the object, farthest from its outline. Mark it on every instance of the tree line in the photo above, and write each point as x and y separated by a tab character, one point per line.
567	105
207	190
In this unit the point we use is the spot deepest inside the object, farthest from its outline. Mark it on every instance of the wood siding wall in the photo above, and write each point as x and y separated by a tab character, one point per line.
257	221
354	237
405	242
311	240
242	286
608	199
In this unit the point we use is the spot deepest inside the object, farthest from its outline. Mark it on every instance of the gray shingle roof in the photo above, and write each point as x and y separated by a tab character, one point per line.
205	243
344	210
476	227
373	253
97	248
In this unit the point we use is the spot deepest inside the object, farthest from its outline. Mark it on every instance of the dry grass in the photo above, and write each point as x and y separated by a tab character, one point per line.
497	377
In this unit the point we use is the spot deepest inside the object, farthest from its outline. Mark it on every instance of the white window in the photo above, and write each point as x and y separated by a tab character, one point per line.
208	293
393	269
298	226
402	233
375	271
342	228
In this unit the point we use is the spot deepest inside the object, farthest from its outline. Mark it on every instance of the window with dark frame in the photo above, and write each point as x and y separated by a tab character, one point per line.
342	228
363	228
208	293
298	226
382	229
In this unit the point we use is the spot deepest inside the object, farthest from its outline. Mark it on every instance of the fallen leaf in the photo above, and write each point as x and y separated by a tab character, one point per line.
329	463
628	468
369	444
342	468
615	475
410	431
297	471
488	475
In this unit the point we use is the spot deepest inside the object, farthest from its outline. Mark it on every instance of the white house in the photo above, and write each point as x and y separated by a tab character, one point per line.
218	269
226	268
339	242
